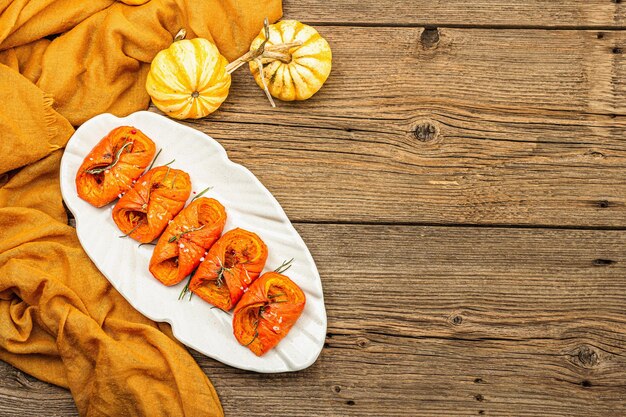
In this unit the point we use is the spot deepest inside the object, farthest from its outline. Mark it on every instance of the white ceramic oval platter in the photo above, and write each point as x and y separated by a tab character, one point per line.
248	204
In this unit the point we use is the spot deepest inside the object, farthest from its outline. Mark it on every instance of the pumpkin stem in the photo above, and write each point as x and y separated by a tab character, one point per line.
264	54
268	53
180	35
267	91
280	52
250	55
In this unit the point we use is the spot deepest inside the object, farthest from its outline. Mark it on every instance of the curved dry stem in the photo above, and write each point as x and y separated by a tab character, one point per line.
265	88
180	35
267	52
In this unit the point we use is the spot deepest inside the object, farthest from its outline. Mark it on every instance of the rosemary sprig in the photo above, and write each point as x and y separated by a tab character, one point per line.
133	229
111	165
284	266
166	174
147	243
256	326
147	200
178	236
202	193
174	180
219	281
186	290
256	334
155	158
223	311
276	295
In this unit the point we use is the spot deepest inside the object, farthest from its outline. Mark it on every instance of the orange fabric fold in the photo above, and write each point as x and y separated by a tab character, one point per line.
62	62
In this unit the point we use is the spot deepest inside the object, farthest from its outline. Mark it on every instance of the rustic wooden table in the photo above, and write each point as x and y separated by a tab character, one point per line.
460	181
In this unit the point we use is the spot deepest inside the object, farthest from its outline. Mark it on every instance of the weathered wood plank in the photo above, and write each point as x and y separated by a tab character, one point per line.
25	396
480	127
462	13
440	321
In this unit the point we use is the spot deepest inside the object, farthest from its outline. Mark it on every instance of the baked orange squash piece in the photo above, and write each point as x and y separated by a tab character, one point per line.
267	311
232	264
155	199
112	165
186	240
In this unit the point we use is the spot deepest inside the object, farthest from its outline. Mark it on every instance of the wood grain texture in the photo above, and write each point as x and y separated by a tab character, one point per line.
483	119
461	13
454	126
438	321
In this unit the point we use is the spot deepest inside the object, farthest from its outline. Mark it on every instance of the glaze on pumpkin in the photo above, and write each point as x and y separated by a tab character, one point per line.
232	264
183	245
267	311
112	165
145	210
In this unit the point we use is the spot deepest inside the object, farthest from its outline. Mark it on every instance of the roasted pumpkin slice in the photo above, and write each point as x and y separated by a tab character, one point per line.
232	264
112	165
155	199
186	240
267	311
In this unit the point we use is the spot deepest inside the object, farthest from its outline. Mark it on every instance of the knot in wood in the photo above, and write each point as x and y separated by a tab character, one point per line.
362	342
455	319
603	262
426	131
587	356
430	37
24	381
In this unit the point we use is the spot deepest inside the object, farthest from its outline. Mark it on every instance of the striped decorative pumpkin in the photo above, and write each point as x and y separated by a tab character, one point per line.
296	62
188	80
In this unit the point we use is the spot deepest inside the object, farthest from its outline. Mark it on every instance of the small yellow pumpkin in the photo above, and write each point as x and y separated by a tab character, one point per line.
188	80
296	60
